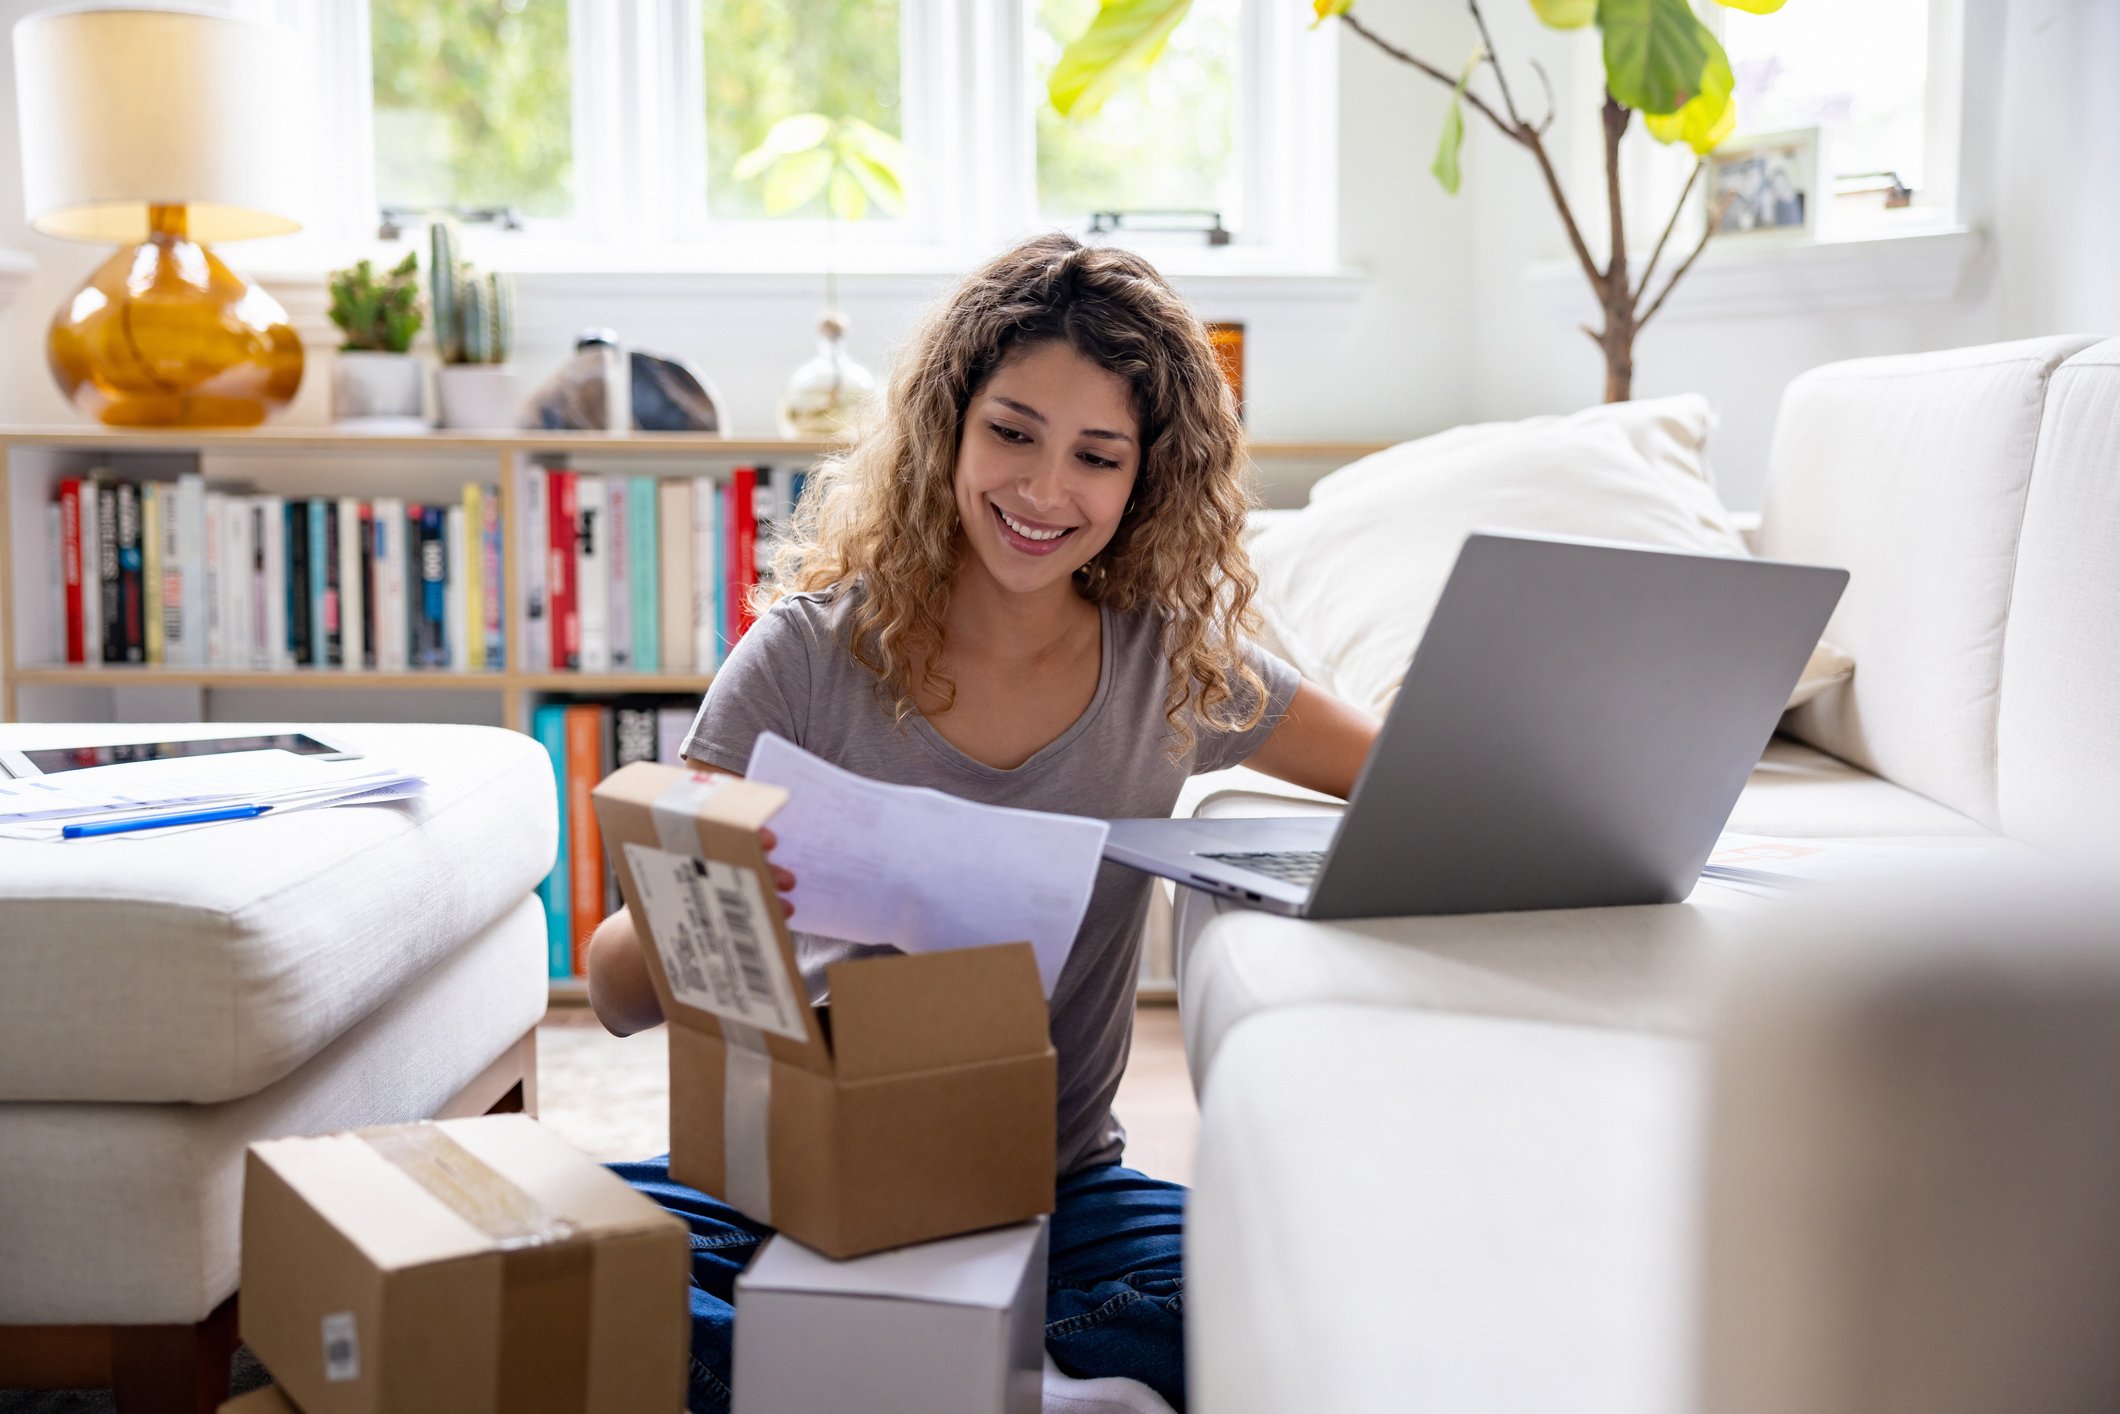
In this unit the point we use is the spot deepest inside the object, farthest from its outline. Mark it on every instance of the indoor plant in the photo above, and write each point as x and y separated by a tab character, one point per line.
375	377
1659	60
474	328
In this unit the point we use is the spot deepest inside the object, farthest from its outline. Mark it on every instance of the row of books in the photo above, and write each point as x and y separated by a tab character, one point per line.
587	741
642	573
183	574
617	574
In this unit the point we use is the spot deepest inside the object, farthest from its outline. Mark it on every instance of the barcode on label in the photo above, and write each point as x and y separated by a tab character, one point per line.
342	1348
713	930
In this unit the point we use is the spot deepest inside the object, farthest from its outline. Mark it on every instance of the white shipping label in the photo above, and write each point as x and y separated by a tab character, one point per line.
342	1349
715	936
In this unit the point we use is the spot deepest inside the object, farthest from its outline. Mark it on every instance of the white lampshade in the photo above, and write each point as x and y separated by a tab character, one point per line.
126	108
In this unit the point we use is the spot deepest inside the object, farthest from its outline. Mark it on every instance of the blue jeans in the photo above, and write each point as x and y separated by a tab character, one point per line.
1115	1288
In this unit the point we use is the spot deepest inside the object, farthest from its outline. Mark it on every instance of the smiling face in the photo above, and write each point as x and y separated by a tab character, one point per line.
1045	466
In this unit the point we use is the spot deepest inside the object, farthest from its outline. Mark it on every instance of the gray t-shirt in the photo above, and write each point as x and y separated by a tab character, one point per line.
793	674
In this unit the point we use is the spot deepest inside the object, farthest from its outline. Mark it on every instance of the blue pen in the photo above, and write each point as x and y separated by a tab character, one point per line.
156	822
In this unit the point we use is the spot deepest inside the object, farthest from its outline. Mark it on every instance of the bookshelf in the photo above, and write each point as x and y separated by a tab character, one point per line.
310	461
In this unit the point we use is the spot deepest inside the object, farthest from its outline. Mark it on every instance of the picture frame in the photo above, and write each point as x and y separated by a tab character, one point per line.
1763	187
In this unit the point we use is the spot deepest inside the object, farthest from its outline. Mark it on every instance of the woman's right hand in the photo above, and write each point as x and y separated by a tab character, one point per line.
783	880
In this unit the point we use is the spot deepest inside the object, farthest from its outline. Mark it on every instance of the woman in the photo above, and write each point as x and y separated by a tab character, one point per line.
1026	587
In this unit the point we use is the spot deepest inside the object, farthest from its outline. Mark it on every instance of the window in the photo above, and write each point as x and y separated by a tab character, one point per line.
618	130
1866	74
473	104
1168	142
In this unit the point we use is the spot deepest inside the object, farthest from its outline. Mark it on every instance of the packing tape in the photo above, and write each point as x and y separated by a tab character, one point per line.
747	1067
542	1359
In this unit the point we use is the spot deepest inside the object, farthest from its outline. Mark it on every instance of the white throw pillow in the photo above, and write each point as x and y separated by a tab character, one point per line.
1348	583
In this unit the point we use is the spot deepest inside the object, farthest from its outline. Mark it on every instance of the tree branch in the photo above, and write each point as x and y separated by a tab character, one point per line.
1546	83
1615	128
1649	270
1487	43
1515	132
1714	220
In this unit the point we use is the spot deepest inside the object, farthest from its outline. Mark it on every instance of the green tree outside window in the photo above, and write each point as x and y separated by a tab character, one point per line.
473	104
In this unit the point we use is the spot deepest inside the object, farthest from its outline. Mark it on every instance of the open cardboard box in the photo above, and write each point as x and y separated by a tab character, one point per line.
477	1266
921	1107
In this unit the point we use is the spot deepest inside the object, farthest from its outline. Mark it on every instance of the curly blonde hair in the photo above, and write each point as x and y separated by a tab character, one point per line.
884	512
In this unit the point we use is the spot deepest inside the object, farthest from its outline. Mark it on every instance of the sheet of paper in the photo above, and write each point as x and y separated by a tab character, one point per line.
924	871
38	808
1776	862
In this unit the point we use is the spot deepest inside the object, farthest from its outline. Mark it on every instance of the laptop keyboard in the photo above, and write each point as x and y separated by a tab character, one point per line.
1296	866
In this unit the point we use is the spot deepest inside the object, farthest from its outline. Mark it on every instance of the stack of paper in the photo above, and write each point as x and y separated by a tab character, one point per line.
40	807
1773	863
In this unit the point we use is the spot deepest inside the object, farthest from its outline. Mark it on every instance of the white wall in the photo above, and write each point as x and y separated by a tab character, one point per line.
1441	328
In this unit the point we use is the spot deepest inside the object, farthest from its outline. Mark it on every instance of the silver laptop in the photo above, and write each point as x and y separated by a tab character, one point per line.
1573	732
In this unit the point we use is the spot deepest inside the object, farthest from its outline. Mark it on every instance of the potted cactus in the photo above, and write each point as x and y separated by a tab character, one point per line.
474	328
375	378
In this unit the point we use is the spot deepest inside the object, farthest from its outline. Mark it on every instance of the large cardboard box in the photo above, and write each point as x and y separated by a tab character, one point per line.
921	1106
951	1327
460	1267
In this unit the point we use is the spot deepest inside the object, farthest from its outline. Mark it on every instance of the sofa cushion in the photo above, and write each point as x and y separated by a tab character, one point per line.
1910	472
204	964
2058	738
1637	968
1347	584
131	1214
1397	1212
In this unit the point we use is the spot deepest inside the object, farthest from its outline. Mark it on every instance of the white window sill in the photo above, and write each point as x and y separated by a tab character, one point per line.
702	271
1735	279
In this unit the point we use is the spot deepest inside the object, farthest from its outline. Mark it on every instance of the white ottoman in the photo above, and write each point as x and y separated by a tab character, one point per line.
173	996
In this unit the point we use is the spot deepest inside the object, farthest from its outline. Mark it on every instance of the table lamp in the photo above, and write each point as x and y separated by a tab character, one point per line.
160	130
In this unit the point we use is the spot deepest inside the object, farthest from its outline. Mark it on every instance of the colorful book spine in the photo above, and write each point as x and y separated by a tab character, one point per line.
469	582
132	596
592	574
300	602
455	603
353	611
319	607
371	609
742	568
151	566
190	593
392	632
585	734
548	723
113	608
492	602
618	564
645	583
70	567
533	529
271	520
706	574
91	574
562	532
673	509
434	578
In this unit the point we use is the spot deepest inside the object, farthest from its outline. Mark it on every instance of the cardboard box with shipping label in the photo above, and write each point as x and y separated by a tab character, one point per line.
460	1267
923	1108
950	1327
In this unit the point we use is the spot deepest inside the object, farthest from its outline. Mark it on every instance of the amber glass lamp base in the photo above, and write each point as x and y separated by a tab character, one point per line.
166	335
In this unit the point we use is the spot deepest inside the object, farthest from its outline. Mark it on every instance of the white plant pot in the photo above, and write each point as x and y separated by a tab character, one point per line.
369	387
479	396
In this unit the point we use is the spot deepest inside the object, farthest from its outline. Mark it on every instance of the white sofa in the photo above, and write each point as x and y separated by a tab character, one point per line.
1444	1160
171	997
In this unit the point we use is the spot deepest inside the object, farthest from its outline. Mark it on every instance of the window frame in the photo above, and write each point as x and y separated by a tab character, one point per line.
641	206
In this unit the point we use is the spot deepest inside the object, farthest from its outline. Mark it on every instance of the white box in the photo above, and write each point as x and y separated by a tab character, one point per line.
949	1327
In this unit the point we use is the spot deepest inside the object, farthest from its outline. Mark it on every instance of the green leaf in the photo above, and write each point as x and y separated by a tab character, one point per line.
1709	116
1446	151
880	182
845	196
787	137
1756	7
1566	14
1121	42
1655	53
1326	9
795	179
